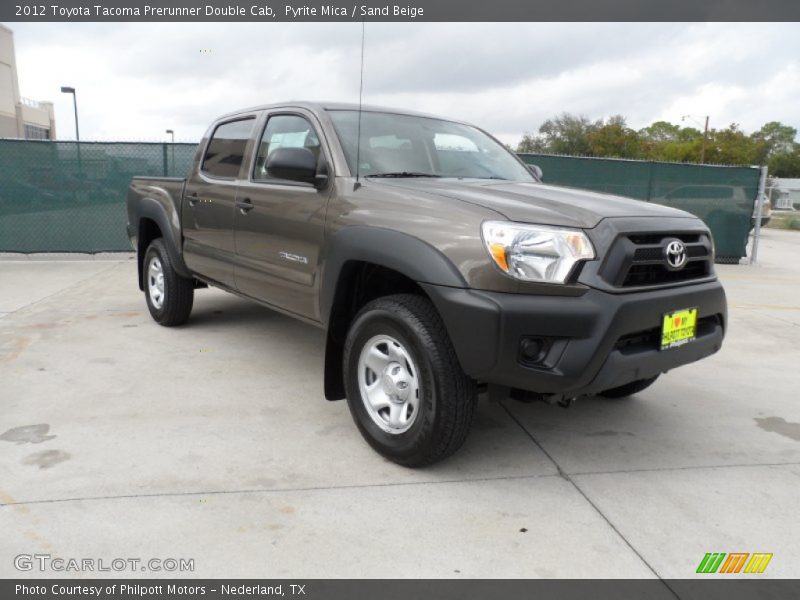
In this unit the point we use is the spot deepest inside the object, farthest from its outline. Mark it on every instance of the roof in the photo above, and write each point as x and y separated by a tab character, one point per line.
787	183
321	106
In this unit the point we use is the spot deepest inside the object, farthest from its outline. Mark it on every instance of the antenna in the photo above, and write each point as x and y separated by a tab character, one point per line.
360	96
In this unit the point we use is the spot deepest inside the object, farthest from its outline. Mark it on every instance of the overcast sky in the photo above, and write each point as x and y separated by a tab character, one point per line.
136	80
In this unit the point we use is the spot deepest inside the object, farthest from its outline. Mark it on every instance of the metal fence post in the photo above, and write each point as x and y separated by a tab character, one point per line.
762	182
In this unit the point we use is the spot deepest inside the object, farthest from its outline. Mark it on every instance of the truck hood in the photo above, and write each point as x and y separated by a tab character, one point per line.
537	202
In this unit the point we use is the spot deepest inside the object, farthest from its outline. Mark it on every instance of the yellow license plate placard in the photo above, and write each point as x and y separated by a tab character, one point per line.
678	328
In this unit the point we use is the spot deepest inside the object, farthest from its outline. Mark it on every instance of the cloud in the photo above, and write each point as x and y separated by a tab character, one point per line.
135	80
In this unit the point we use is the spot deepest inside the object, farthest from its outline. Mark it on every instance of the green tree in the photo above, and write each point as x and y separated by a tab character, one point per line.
531	143
660	132
668	142
776	138
774	144
614	138
786	164
731	146
566	134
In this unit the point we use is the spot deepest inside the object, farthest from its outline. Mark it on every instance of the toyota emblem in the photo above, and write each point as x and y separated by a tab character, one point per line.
675	253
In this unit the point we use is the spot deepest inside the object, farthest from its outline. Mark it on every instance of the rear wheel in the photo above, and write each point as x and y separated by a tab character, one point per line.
405	388
629	389
169	296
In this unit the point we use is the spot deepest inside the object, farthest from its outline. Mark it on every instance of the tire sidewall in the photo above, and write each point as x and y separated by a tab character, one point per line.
155	251
418	438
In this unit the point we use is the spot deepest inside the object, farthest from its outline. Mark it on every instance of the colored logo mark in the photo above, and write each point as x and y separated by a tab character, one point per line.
735	562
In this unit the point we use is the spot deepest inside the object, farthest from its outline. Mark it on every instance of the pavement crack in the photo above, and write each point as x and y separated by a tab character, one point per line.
274	490
67	288
684	468
566	476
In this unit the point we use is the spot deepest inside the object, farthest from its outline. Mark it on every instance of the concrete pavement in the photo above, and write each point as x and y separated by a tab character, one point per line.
213	441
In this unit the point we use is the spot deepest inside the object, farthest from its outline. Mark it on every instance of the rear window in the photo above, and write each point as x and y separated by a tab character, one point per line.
225	151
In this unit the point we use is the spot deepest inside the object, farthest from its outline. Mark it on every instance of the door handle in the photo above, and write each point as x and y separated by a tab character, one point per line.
193	200
244	205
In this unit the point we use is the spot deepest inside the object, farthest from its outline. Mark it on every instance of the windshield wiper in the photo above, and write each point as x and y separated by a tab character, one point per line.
404	174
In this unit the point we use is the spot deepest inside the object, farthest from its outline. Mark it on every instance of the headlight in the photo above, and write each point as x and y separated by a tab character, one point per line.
535	252
713	248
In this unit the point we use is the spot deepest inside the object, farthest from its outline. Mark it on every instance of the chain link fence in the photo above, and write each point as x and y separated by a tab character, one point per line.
70	197
724	197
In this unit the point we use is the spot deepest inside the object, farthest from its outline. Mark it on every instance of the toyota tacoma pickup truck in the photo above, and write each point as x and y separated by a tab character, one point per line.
437	262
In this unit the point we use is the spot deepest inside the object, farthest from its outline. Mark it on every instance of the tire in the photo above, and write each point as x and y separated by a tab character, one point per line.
173	304
629	389
405	331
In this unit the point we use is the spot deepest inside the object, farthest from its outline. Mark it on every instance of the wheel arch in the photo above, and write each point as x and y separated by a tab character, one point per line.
364	263
154	223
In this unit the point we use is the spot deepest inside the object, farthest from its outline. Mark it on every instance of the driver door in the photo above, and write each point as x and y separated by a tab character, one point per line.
279	225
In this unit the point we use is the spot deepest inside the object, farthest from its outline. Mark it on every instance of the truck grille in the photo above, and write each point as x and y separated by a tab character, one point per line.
638	260
649	274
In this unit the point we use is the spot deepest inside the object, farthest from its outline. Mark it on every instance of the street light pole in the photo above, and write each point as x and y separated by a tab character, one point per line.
172	148
71	90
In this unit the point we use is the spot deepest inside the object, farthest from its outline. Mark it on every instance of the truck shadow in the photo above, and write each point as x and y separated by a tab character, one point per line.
639	430
229	309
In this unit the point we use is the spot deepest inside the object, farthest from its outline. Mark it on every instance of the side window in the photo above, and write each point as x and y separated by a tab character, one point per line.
284	131
225	151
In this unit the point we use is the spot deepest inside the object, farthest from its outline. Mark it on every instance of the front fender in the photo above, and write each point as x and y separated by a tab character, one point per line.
401	252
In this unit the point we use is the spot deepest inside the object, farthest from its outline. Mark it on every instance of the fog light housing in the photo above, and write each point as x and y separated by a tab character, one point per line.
540	351
533	350
530	349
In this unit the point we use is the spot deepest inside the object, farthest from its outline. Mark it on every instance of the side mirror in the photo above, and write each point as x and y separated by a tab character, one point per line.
536	171
294	164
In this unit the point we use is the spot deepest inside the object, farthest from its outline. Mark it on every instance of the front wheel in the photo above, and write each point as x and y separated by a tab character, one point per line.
169	296
405	388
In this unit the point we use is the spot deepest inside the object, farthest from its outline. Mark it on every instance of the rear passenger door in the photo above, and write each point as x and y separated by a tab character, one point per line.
279	233
208	203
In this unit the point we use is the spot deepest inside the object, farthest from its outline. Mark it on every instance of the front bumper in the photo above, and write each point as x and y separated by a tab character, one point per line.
598	340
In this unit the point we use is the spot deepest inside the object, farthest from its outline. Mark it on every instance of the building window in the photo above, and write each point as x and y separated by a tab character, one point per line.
36	133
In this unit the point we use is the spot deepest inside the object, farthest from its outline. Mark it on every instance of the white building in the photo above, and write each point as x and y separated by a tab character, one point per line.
20	117
786	193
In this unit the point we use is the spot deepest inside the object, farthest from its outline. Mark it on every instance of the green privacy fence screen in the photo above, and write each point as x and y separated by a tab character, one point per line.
724	197
70	197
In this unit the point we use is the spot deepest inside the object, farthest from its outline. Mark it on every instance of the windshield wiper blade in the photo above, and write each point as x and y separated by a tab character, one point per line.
404	174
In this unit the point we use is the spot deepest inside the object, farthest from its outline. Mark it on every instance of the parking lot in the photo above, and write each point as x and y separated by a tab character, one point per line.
213	442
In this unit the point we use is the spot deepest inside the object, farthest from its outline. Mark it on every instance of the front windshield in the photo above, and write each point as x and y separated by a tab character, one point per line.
404	145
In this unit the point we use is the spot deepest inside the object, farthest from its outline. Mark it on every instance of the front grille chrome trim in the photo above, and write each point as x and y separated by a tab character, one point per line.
638	260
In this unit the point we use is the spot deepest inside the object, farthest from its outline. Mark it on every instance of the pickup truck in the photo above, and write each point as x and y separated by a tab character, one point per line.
437	262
